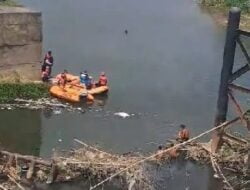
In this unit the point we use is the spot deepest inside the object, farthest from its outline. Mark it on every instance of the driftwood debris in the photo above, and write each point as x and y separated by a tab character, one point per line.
3	188
30	172
25	158
40	104
92	164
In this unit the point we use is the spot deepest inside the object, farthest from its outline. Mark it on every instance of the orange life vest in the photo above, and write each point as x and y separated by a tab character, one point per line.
103	81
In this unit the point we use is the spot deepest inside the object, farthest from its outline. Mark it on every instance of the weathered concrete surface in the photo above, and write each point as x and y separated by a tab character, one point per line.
20	44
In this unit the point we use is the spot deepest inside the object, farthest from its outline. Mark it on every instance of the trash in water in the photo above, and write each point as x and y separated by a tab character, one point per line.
216	176
56	112
59	140
122	114
9	108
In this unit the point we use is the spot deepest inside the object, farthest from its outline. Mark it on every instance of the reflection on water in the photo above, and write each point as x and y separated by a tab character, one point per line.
20	131
183	175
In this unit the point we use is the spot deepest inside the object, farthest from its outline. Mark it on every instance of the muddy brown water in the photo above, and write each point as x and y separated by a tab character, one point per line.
163	72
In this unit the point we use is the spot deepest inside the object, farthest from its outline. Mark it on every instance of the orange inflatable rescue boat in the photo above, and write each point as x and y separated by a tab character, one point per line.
73	92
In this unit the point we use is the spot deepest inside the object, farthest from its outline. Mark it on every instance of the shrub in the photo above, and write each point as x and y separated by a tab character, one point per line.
244	5
9	92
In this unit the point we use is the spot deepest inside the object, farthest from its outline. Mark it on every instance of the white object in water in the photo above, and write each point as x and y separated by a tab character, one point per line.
216	176
122	114
57	112
59	140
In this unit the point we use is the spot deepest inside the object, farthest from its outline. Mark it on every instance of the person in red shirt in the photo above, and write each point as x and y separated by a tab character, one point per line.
103	80
45	74
48	61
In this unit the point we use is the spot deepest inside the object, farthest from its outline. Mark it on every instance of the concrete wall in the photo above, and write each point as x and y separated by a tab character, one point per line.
20	44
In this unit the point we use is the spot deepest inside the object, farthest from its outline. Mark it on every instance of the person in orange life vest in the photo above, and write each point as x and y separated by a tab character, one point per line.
183	134
45	74
103	80
48	61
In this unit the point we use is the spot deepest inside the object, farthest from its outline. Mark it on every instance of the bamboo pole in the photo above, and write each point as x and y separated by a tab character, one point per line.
91	147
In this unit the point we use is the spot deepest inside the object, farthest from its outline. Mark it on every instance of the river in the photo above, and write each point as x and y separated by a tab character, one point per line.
163	72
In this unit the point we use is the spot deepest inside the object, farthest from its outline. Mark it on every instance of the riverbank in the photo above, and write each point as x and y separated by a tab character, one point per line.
219	12
10	3
20	43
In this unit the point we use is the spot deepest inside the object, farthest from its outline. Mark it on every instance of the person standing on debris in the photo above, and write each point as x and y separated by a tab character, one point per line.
183	134
48	61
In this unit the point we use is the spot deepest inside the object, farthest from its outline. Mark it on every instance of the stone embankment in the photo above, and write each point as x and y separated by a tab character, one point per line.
20	44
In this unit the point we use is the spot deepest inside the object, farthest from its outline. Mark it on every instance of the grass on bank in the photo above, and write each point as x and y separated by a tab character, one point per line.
10	3
8	92
244	5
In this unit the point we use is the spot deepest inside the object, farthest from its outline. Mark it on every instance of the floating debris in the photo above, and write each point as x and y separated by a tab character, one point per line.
57	112
41	104
122	114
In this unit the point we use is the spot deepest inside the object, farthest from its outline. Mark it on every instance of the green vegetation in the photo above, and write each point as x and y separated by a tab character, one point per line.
243	4
11	3
10	91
